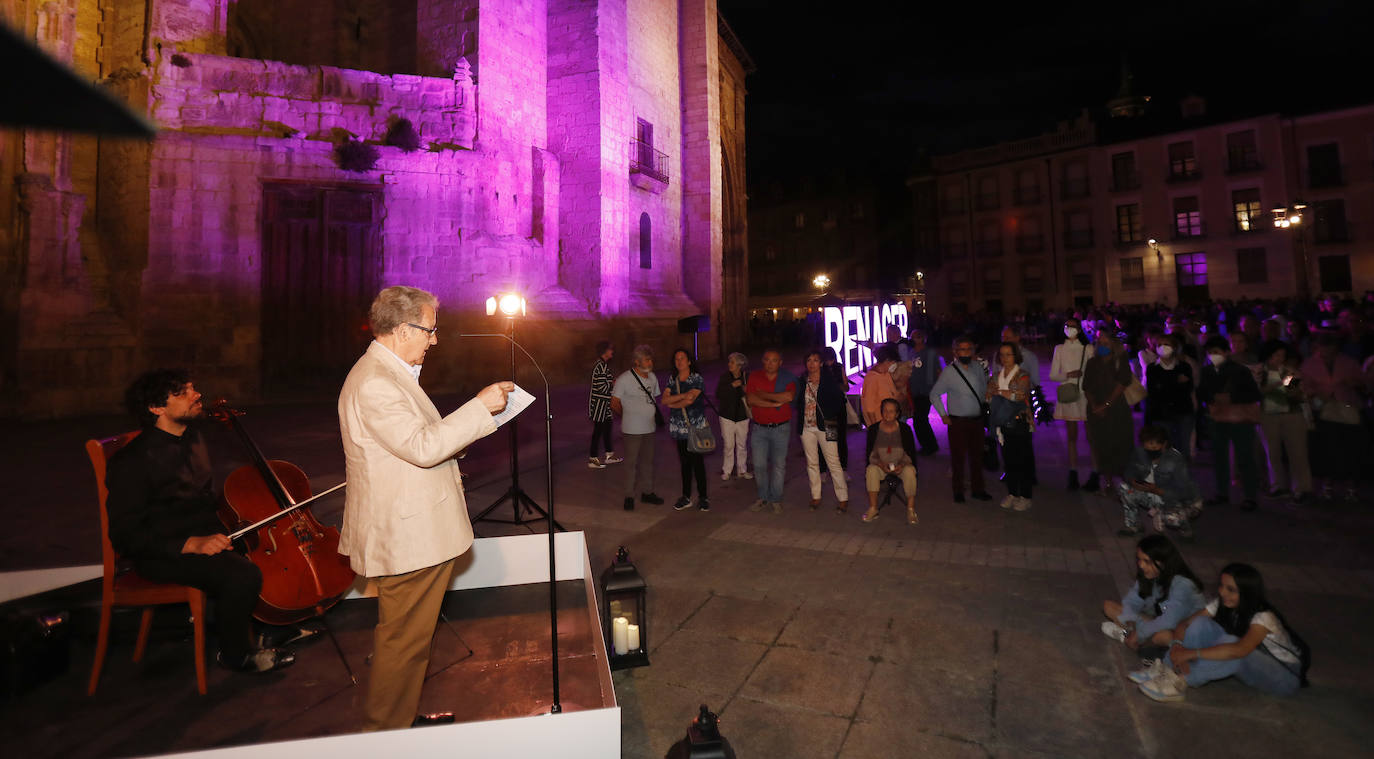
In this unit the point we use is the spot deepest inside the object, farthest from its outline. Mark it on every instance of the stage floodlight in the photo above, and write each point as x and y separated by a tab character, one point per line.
506	304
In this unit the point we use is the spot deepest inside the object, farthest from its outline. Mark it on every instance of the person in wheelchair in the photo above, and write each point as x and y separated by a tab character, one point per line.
891	453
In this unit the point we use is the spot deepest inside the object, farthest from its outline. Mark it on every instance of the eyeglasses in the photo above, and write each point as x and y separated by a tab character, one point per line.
431	331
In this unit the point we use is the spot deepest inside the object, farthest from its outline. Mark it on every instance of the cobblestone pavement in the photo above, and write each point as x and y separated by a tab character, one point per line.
972	634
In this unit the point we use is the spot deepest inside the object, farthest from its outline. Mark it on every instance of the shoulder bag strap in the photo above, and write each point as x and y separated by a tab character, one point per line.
969	384
639	382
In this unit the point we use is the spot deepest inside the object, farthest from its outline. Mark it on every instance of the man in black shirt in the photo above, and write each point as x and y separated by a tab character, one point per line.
162	515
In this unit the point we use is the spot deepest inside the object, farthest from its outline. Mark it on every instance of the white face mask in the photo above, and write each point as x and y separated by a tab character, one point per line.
1166	351
1217	359
1071	332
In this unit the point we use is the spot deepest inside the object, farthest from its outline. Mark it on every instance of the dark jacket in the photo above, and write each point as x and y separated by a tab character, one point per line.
1171	475
923	377
730	399
829	402
1165	396
1233	379
908	441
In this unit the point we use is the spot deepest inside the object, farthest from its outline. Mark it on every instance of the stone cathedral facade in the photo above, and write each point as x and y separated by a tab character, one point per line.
588	154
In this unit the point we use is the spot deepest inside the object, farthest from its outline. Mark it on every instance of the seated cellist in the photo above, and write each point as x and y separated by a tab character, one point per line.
162	510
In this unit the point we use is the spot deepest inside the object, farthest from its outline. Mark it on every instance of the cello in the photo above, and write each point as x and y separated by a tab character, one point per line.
303	575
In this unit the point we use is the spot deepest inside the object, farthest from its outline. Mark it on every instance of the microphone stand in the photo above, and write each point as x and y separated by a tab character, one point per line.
518	496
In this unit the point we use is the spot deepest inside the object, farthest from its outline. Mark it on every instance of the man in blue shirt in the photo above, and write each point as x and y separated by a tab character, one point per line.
965	382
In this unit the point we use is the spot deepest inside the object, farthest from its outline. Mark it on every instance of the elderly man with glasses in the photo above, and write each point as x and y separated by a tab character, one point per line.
405	518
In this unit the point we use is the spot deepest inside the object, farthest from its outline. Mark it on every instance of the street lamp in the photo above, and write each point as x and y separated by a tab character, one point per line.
1290	217
1154	245
821	282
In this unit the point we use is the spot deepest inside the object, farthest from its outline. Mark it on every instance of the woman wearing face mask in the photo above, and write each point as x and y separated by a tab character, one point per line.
1109	425
1066	367
1169	395
1232	398
1240	635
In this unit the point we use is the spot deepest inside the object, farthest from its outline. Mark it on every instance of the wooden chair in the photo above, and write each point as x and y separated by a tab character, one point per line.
129	589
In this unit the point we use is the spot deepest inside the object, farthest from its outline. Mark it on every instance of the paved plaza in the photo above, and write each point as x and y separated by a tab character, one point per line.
974	634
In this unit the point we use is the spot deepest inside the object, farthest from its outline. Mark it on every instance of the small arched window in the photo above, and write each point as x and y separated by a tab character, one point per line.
646	239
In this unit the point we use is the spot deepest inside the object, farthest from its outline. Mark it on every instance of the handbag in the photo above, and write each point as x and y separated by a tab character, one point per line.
990	453
1135	392
1224	411
699	439
658	415
1067	393
1339	413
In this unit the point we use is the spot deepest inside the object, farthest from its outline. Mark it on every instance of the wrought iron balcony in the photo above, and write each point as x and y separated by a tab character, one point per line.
644	159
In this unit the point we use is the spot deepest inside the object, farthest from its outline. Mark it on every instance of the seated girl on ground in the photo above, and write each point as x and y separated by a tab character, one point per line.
1240	634
1166	592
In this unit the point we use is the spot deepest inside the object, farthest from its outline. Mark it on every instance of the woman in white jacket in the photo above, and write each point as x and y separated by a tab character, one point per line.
1066	367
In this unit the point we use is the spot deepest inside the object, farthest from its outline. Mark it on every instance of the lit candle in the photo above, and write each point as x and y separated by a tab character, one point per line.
633	641
620	632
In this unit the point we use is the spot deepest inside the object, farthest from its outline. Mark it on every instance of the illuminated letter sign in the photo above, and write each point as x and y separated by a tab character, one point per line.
847	328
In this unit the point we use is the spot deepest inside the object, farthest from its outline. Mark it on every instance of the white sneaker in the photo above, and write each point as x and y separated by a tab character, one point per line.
1150	672
1008	501
1114	631
595	463
1168	687
1021	504
746	476
611	458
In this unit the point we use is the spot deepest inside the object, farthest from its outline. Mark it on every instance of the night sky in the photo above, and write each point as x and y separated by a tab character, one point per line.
859	87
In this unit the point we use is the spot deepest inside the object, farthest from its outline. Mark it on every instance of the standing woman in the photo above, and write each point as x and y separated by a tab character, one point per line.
819	407
683	397
1333	381
734	416
831	365
599	407
1066	367
1012	419
1169	387
1110	433
1285	426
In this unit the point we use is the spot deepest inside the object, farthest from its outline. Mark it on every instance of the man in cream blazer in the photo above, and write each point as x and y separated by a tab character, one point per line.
405	518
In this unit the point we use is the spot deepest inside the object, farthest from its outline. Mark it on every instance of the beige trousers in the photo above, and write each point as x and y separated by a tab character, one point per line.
407	611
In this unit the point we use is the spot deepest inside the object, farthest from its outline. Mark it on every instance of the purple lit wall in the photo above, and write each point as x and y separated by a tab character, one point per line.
526	112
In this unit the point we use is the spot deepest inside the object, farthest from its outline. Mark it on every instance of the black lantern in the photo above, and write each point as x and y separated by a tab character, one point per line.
624	614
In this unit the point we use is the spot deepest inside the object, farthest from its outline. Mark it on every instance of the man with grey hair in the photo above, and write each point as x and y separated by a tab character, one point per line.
632	397
405	519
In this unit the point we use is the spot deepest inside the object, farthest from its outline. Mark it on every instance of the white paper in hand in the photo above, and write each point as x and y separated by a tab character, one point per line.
517	400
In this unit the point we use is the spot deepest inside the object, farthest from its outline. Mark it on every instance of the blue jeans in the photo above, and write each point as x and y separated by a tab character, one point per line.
1257	669
769	448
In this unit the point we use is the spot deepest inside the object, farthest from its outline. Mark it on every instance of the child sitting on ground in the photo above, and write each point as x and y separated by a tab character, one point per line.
1165	593
1158	482
1239	635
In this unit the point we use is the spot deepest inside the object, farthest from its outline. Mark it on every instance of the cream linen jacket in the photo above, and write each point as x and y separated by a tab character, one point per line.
404	508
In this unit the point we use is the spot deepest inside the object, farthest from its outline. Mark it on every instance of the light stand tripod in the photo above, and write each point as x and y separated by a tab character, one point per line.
519	499
518	496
